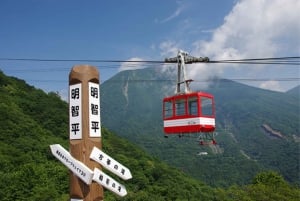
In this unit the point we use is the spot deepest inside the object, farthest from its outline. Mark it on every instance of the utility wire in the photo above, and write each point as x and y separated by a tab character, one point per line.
139	63
270	58
257	62
78	60
287	79
274	60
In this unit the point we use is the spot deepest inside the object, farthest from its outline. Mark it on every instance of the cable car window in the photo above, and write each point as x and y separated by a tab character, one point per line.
206	106
193	106
180	107
168	109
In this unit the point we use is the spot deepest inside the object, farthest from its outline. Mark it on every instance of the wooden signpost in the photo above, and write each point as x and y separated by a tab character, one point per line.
84	127
86	157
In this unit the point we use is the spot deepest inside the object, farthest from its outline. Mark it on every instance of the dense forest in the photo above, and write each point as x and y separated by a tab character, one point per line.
31	120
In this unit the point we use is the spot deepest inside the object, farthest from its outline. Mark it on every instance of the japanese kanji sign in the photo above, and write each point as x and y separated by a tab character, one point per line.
87	175
78	168
109	183
94	110
75	112
110	164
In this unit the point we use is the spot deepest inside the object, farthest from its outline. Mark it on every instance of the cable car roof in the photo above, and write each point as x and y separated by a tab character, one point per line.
182	95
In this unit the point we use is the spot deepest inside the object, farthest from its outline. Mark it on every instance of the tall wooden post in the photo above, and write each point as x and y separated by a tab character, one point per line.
84	127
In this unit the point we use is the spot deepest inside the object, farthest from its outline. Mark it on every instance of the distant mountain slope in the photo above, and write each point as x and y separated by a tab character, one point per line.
294	91
132	103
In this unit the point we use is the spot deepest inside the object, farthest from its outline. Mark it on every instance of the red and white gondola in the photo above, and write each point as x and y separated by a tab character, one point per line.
189	112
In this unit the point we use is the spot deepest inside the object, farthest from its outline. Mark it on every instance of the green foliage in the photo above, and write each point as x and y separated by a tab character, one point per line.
270	178
27	169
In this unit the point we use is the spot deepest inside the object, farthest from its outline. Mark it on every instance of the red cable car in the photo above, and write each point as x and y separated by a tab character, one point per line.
189	112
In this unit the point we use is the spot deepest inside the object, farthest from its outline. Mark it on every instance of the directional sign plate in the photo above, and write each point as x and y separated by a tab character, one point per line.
110	164
77	167
109	183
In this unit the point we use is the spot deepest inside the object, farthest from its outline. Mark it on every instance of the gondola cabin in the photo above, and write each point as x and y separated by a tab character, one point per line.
189	113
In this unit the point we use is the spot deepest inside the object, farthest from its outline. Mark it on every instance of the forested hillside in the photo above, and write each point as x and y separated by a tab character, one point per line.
132	107
31	120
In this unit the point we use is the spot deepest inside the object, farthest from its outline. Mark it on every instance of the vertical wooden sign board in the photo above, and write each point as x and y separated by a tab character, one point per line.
84	127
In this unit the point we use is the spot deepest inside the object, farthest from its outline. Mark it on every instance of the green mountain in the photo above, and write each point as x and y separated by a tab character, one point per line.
31	120
256	129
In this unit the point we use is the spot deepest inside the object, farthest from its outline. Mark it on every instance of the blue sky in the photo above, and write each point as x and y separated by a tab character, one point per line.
148	30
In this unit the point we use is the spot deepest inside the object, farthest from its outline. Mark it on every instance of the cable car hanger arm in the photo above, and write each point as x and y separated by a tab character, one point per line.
182	59
187	58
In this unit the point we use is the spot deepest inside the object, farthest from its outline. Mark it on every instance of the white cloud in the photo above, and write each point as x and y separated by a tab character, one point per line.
168	49
130	65
253	29
271	85
177	12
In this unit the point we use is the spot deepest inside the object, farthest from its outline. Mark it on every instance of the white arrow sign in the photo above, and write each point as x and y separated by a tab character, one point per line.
109	183
77	167
110	164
